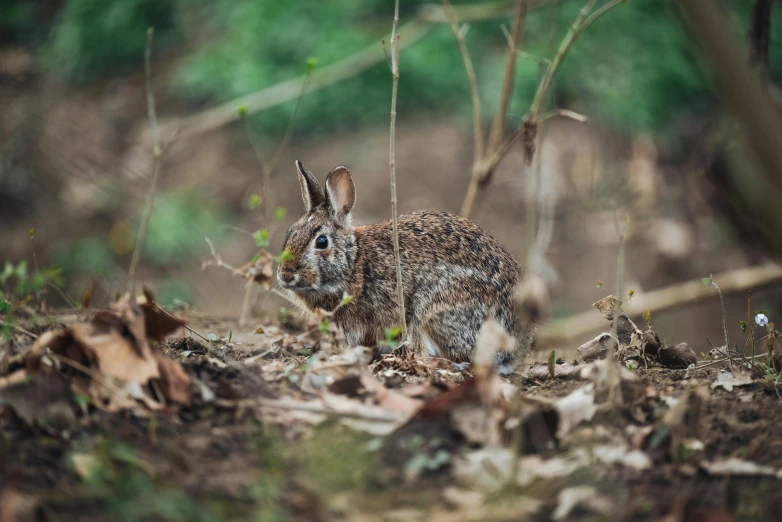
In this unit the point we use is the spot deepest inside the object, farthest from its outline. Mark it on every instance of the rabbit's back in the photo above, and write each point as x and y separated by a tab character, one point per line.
454	274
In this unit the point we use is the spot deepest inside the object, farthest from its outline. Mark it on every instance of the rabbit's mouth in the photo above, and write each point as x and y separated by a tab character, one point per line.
295	284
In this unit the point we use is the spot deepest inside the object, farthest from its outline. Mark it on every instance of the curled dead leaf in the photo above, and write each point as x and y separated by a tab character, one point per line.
678	356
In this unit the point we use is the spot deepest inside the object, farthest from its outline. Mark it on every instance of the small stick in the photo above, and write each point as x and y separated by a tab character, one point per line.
156	154
476	100
395	48
19	329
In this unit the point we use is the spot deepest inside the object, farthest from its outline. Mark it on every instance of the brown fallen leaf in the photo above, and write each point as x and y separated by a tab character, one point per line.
561	370
175	384
391	400
728	380
39	401
678	356
158	323
596	348
116	353
113	351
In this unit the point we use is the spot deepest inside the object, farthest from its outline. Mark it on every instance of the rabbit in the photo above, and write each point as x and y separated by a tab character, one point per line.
454	274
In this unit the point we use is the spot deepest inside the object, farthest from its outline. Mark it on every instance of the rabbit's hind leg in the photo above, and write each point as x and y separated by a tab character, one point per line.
450	333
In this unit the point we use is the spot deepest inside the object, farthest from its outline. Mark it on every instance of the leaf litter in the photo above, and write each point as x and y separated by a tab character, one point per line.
288	419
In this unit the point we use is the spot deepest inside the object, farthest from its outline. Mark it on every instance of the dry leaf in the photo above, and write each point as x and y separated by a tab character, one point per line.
561	370
116	353
678	356
175	384
577	407
729	380
583	497
391	400
40	401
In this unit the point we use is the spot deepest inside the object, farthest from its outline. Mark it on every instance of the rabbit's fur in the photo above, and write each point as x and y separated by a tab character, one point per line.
454	274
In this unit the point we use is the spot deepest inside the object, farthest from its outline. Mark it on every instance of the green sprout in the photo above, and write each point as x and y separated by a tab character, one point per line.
261	238
254	201
284	256
280	213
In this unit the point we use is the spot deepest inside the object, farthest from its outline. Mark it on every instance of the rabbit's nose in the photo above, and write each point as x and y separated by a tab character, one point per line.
288	276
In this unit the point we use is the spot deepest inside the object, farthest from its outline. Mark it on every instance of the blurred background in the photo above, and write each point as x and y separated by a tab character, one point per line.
659	142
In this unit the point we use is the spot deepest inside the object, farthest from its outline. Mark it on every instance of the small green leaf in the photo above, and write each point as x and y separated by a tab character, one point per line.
324	327
346	299
32	233
311	63
647	315
284	256
82	399
254	201
743	325
230	335
707	281
392	334
255	258
599	283
631	293
261	238
552	361
242	111
280	213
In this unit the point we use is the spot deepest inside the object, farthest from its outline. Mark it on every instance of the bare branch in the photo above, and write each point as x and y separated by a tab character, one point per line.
476	100
498	125
664	299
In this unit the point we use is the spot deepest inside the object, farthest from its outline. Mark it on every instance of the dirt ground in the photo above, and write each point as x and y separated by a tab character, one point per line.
285	423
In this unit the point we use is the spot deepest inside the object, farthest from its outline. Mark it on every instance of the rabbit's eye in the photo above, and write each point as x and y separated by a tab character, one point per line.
321	242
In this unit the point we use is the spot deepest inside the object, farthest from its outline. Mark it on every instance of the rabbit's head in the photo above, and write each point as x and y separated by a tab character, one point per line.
320	247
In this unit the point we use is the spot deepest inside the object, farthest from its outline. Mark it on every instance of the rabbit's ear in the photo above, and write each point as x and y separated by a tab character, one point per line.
311	193
340	194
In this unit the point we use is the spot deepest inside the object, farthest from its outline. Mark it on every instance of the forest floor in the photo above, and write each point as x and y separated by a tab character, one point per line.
283	422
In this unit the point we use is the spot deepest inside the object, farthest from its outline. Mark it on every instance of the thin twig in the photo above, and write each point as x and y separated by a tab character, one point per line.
613	375
291	123
724	317
484	161
498	125
191	330
96	376
478	145
583	21
156	153
266	172
286	404
18	329
395	49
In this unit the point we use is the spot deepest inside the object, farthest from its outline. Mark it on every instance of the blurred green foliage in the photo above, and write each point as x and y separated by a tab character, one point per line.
179	223
99	37
635	69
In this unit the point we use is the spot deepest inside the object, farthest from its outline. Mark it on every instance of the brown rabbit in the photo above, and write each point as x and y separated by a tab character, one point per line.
454	274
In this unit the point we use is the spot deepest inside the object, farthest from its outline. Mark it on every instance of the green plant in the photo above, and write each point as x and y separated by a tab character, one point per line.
93	37
128	485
